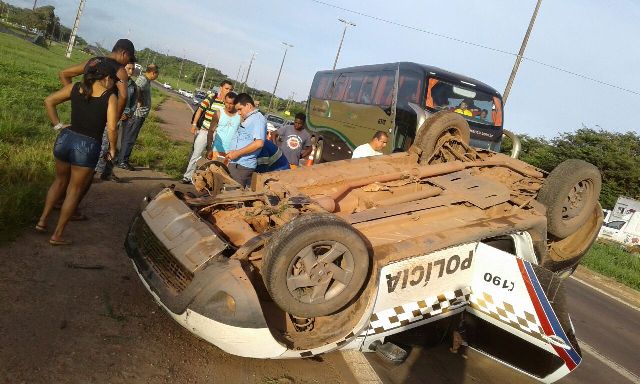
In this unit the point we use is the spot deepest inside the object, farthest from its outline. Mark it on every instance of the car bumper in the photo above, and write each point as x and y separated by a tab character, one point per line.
214	298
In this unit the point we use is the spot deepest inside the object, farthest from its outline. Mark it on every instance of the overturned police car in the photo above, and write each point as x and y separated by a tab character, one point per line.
342	255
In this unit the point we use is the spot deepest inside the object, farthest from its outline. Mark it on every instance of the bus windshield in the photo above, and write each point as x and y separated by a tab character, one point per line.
476	106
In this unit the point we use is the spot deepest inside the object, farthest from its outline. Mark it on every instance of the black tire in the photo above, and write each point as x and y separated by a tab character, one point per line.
294	272
436	127
570	192
204	166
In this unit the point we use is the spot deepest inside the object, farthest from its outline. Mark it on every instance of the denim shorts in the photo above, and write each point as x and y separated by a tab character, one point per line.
76	149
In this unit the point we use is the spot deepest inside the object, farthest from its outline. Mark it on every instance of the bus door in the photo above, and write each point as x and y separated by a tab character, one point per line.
410	90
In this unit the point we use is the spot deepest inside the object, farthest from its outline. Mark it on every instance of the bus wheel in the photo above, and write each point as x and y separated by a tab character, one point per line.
317	154
315	265
570	192
444	136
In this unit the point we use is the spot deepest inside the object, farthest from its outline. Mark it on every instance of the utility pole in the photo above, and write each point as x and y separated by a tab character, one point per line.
520	54
237	76
289	100
204	75
253	56
286	47
346	24
74	31
181	63
35	2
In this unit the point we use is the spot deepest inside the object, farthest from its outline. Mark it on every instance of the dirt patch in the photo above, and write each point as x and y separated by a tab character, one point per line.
79	314
175	116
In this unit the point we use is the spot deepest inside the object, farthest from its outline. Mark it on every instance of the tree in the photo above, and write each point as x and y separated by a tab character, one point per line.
617	155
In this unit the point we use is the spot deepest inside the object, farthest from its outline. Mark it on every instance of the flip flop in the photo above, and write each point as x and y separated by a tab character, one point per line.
60	242
41	228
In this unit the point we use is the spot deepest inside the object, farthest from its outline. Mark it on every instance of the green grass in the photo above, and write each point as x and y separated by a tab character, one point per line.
613	261
28	73
154	149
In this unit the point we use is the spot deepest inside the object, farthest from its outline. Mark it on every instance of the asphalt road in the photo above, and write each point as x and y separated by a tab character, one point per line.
609	334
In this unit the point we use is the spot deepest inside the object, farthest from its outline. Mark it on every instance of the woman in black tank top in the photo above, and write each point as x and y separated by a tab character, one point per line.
77	147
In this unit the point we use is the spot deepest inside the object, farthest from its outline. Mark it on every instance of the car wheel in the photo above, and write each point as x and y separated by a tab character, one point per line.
570	192
442	133
315	265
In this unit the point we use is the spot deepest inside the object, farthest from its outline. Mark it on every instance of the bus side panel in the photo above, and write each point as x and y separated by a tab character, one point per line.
344	126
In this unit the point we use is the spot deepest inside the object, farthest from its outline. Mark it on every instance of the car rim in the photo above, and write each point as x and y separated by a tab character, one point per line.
578	197
320	272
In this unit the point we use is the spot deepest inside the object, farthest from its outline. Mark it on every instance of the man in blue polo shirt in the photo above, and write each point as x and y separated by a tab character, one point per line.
247	141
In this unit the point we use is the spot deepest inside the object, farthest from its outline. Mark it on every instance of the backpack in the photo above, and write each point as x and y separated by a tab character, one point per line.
201	119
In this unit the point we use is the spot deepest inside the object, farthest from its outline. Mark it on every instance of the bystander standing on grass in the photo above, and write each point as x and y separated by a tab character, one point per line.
133	126
77	147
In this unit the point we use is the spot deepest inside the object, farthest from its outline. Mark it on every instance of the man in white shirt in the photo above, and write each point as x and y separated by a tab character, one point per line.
372	148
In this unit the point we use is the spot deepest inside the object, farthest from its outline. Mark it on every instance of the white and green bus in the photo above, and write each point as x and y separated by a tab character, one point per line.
347	106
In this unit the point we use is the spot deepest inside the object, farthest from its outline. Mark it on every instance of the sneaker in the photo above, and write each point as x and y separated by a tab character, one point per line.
126	166
186	181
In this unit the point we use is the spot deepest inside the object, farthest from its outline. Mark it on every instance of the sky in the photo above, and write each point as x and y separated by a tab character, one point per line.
591	38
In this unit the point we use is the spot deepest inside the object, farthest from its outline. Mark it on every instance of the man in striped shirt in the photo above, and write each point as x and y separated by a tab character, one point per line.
212	107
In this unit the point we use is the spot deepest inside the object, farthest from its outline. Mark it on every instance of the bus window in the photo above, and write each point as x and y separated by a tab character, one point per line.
321	84
340	87
383	94
353	88
368	85
477	107
409	88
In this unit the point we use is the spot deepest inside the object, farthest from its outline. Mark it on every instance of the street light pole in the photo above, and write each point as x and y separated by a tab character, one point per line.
520	54
74	31
346	24
287	46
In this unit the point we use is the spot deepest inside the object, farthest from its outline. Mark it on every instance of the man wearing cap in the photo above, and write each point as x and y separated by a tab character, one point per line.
133	125
123	53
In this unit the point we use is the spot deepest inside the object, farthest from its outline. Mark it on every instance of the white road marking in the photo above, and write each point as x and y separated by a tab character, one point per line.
606	294
616	367
360	367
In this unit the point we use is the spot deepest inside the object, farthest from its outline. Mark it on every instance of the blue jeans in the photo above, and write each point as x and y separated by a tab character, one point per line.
130	133
76	149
